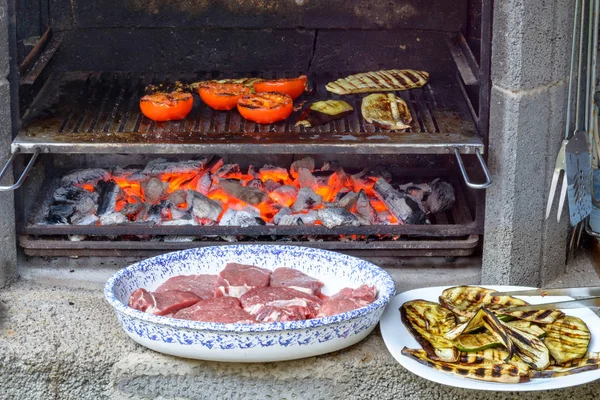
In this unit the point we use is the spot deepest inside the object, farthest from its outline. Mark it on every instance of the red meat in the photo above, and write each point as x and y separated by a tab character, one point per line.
348	299
161	303
220	309
270	304
236	279
296	280
202	286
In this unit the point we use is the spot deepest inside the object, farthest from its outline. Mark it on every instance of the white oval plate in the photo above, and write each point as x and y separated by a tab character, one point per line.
396	336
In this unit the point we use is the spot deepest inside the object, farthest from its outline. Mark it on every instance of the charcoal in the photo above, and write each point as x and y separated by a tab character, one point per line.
202	207
142	215
306	178
252	172
270	185
85	220
161	166
332	217
77	238
204	184
125	172
215	165
307	199
81	176
347	201
364	208
384	217
178	197
179	239
131	210
229	171
442	196
404	207
155	190
332	166
246	194
379	171
255	183
284	195
155	213
60	213
114	218
281	214
341	194
109	193
69	194
279	173
85	207
180	213
308	218
240	218
180	222
307	163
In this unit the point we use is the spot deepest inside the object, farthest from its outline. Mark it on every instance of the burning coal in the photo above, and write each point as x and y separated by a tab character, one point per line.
203	192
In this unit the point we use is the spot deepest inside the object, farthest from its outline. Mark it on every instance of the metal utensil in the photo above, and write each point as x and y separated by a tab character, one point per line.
588	291
558	305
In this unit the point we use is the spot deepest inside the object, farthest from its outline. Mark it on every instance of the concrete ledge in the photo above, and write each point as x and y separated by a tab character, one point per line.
59	342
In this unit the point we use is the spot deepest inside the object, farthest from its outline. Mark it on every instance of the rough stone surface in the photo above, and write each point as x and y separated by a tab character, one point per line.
8	256
4	64
65	343
528	102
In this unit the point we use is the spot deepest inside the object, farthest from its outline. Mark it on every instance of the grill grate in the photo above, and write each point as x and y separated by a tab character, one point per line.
87	112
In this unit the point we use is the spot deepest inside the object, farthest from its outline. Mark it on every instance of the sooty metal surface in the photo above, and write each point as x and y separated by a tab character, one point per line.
93	112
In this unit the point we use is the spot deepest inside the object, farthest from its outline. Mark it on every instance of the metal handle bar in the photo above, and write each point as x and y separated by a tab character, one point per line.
21	179
472	185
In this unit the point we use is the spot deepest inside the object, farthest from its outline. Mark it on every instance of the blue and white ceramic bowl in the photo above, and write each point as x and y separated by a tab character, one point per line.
250	342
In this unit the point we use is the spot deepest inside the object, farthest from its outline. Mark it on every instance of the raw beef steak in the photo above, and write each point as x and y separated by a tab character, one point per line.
348	299
202	286
270	304
236	279
226	310
295	279
161	303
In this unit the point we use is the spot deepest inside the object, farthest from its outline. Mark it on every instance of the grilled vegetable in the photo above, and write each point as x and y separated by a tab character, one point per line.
567	339
428	322
222	96
293	87
379	81
163	106
527	326
498	372
476	342
540	316
529	348
494	356
322	112
588	363
265	108
466	300
386	111
248	82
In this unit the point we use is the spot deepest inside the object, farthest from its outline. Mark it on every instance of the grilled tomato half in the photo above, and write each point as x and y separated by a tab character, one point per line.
222	96
265	108
293	87
166	106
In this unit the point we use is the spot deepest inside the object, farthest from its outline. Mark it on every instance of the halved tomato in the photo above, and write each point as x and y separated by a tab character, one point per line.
293	87
265	108
163	106
222	96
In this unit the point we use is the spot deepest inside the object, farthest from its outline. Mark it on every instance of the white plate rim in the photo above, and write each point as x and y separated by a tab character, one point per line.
395	336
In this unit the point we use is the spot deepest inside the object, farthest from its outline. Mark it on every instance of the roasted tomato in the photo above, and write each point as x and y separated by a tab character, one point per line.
169	106
293	87
265	108
222	96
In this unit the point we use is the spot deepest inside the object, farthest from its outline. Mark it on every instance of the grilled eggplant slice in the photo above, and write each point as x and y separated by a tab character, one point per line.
322	112
379	81
567	339
527	326
386	111
529	348
466	300
494	356
428	322
588	363
498	372
476	342
539	317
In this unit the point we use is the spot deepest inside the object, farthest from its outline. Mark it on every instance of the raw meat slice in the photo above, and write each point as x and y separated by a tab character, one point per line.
202	286
161	303
236	279
295	279
226	310
348	299
270	304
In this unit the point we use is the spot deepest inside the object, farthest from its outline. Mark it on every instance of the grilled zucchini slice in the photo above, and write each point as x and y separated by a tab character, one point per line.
428	322
588	363
567	339
466	300
527	326
476	342
491	372
386	111
322	112
494	356
539	316
529	348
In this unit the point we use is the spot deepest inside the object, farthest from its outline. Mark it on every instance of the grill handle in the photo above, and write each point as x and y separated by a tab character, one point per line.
461	165
21	179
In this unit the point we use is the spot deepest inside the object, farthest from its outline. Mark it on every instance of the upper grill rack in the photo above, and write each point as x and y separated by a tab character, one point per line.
98	112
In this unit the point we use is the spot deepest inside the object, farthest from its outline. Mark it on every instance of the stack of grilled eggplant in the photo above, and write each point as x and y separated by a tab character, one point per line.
469	334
